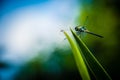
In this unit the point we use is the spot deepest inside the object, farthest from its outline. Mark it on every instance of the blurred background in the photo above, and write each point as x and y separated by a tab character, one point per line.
33	48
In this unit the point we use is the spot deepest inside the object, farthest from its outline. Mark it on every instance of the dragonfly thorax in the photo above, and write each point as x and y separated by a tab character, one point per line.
80	29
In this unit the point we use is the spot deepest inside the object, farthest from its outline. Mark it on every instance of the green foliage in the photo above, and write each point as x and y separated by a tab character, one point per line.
79	59
83	55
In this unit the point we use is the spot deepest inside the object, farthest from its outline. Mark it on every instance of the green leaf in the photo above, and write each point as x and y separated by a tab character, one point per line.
92	63
78	58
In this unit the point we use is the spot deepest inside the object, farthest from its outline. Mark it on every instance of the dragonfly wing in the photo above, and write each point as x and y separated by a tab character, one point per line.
81	34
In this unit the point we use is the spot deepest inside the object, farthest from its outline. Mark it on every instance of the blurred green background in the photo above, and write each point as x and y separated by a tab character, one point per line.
104	19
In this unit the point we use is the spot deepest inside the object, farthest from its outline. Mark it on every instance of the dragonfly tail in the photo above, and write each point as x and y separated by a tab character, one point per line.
95	34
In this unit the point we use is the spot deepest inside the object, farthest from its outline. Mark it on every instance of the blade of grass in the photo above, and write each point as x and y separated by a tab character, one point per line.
93	64
78	58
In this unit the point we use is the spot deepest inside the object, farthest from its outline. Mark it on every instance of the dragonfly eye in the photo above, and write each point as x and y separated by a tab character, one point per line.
76	28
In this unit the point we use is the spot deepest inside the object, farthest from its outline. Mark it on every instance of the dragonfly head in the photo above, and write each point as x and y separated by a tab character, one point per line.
77	28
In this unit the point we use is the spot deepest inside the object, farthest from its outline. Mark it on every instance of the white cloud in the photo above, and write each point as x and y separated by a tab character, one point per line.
37	28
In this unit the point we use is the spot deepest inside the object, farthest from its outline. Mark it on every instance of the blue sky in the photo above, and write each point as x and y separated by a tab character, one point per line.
10	5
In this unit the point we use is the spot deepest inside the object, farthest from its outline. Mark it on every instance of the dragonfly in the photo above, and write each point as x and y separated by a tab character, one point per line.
83	29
